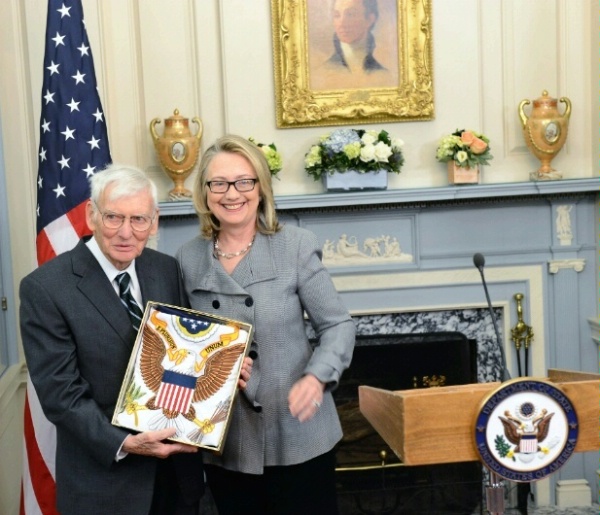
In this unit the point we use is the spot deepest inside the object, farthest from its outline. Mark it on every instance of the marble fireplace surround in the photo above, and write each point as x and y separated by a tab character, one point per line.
402	261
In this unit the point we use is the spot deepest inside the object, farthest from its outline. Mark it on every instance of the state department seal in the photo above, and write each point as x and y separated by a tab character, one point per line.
526	430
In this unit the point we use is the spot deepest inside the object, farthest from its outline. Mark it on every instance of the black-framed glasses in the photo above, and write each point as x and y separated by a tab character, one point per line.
138	223
242	185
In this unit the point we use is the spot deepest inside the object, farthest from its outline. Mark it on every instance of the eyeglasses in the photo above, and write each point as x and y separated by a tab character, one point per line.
138	223
242	185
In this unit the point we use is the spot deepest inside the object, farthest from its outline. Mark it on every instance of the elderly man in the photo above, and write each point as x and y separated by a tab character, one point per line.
78	336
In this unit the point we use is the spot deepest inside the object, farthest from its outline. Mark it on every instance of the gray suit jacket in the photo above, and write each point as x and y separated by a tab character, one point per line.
78	339
280	278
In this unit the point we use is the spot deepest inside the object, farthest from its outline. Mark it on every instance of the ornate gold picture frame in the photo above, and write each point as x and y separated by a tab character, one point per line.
314	84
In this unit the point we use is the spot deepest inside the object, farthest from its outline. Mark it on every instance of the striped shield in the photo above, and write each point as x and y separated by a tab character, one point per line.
176	391
528	444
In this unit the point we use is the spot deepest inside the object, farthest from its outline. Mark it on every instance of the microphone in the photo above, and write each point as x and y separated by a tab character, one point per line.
479	262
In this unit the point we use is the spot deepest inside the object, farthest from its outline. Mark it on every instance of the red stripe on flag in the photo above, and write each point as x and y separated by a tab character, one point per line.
173	397
163	399
182	398
41	479
45	251
77	218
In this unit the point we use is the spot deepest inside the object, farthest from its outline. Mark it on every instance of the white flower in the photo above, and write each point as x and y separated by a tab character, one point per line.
368	138
382	152
397	144
367	153
462	156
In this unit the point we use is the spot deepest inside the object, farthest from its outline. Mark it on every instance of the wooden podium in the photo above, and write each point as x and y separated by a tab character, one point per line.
436	425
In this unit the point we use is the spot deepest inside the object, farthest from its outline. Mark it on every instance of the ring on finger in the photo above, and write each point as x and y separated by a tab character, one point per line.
317	404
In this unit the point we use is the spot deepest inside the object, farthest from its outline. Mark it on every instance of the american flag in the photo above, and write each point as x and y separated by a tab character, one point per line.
73	146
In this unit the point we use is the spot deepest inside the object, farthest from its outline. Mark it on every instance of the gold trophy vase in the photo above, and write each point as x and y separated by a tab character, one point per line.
545	132
177	150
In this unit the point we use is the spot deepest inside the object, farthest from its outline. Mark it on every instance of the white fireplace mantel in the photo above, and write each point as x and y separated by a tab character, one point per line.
416	195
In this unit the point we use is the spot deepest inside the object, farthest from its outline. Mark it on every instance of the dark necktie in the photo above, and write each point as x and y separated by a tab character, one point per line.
129	303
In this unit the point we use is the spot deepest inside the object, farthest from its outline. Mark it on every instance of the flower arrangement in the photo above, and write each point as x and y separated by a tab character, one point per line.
272	156
354	149
466	148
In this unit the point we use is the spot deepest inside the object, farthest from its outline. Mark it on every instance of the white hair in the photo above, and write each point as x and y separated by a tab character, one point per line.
127	181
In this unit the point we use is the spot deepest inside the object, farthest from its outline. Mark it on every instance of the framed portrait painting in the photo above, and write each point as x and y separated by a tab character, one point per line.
352	61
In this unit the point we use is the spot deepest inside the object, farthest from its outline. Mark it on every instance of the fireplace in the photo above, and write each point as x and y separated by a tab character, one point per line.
370	477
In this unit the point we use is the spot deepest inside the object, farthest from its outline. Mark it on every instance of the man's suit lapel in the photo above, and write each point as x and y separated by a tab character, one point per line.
96	287
146	277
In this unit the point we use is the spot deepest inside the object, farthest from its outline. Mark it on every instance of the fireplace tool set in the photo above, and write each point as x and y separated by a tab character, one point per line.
521	335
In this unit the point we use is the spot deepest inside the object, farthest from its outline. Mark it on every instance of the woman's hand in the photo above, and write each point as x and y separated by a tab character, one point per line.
245	373
305	397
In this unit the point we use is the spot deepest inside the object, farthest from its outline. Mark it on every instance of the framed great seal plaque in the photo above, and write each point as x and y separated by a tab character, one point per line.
526	430
183	373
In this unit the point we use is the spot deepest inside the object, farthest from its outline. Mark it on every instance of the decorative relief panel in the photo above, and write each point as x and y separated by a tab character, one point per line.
372	239
374	250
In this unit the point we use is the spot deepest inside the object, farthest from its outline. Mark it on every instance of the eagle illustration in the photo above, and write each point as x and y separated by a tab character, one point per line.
527	431
178	379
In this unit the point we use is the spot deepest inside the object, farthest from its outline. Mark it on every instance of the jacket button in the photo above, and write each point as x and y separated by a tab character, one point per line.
249	301
253	354
216	304
258	409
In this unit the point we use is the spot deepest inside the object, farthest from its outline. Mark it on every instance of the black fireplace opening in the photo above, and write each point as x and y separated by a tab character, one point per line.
370	477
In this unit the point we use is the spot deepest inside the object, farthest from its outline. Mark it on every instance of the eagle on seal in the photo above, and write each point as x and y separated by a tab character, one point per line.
526	434
178	379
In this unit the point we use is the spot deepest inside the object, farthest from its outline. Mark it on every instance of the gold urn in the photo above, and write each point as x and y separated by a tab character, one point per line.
545	132
177	150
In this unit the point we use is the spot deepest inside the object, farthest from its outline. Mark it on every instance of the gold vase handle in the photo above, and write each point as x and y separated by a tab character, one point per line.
522	115
153	130
197	121
567	103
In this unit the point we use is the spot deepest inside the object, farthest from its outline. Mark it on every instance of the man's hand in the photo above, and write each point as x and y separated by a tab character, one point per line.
151	443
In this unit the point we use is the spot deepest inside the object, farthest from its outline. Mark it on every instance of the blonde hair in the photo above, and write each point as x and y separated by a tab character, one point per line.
266	219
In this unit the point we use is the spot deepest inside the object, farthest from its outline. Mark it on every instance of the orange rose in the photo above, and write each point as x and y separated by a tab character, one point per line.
478	146
467	137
